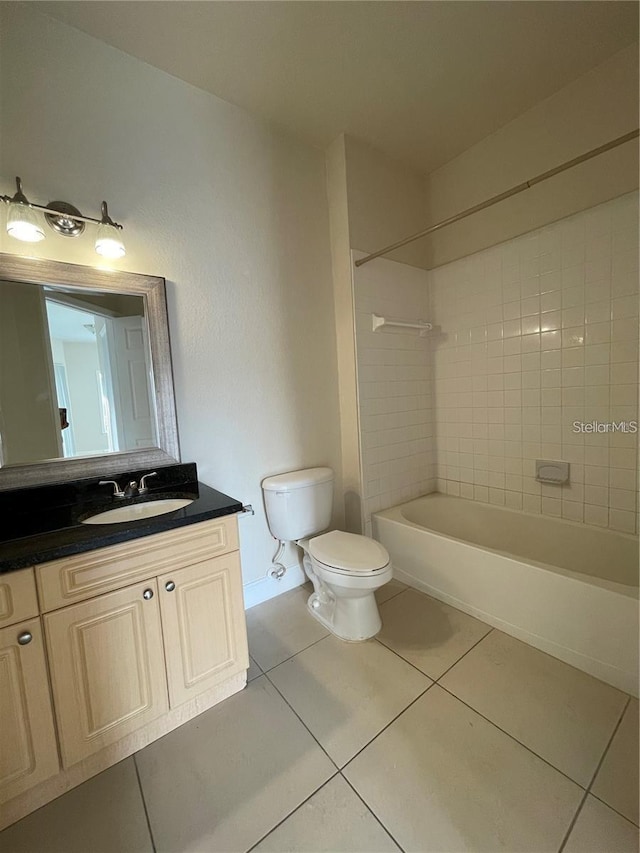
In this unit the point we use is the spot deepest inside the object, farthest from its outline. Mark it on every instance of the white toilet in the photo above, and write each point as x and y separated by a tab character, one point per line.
344	568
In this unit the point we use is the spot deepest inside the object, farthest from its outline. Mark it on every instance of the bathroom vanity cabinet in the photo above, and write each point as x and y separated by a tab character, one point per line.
28	750
126	643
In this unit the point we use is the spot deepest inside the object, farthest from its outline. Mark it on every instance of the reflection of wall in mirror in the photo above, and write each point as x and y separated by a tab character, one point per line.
29	418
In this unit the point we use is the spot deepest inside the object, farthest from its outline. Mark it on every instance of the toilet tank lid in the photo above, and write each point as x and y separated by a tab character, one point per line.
297	479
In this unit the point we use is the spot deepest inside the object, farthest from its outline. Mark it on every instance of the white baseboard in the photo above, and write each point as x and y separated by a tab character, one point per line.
265	588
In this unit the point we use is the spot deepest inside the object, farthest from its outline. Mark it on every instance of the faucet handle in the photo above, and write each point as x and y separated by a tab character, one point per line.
117	491
143	481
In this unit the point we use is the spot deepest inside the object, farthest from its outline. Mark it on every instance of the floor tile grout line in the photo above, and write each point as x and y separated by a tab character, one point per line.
289	705
601	762
404	660
144	804
315	642
395	595
593	778
512	737
375	816
477	643
609	742
292	812
422	672
385	727
609	806
252	659
573	822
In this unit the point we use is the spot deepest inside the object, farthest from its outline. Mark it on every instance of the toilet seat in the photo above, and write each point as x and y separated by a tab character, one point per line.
348	553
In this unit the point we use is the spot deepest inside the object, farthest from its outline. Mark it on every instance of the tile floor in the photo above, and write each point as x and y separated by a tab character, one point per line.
441	735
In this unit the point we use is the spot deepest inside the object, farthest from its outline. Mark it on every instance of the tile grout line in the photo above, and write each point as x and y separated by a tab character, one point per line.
593	778
377	735
315	642
477	643
512	737
609	742
292	812
395	595
290	706
623	816
144	804
435	680
368	807
404	660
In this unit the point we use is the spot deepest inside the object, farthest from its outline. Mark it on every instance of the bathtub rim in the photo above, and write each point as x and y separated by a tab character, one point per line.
394	515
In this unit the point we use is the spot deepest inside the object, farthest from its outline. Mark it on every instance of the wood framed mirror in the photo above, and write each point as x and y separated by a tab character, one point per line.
86	384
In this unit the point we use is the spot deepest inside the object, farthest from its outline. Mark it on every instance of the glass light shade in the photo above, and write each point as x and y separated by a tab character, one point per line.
108	242
22	223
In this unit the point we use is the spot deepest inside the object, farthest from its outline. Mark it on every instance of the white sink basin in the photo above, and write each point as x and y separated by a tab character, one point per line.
134	512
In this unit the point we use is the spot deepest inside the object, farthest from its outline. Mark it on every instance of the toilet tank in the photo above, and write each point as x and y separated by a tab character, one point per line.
299	503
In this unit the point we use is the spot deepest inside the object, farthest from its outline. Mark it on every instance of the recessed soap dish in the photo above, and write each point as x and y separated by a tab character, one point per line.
548	471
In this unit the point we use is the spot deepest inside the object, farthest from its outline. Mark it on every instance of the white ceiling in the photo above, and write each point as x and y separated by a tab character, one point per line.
70	324
422	81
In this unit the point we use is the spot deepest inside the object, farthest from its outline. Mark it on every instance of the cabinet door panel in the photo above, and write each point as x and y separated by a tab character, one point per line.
28	750
204	626
18	600
107	669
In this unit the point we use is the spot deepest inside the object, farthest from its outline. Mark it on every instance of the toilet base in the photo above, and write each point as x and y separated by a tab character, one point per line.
354	619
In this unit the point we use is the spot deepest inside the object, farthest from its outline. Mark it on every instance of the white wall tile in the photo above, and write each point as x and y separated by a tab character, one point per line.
395	373
561	345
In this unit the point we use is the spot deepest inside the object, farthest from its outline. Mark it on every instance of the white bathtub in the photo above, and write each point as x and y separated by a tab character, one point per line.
566	588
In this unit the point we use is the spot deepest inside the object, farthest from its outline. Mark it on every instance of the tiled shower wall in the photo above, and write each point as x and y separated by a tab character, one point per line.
394	387
535	334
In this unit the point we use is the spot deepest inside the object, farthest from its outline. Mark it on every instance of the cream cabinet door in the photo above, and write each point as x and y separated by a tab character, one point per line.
28	750
204	627
107	668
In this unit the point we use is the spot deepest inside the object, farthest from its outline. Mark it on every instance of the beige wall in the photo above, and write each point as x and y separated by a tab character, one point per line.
594	109
232	213
386	202
372	202
345	343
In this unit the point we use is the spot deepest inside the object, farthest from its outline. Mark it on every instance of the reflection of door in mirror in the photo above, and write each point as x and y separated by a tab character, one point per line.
75	377
122	350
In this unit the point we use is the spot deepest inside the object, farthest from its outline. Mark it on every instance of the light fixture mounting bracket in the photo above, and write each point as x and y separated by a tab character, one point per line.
63	218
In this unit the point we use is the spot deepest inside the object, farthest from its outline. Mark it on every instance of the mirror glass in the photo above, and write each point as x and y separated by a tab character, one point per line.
76	374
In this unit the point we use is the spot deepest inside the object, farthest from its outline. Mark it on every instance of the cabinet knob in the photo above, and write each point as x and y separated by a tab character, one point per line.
24	638
169	586
147	594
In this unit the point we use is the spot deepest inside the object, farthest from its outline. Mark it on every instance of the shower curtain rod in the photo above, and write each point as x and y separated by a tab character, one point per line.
627	137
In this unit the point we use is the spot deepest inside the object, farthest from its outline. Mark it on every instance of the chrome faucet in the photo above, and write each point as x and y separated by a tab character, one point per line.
142	487
117	491
132	488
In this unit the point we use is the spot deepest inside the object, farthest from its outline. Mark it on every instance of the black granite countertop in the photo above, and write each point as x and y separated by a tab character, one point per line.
44	523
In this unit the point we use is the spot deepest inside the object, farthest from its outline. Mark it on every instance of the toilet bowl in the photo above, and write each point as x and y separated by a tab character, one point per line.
346	569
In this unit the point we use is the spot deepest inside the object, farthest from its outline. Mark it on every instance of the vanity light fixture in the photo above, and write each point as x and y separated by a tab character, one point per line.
65	219
22	222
